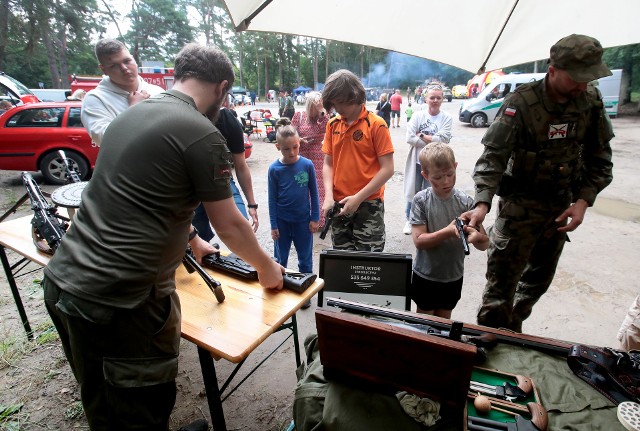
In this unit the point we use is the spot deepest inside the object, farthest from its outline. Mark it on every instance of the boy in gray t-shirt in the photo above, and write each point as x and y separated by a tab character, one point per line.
438	268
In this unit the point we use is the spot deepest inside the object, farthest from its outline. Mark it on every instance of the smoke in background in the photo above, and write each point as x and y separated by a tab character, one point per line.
402	70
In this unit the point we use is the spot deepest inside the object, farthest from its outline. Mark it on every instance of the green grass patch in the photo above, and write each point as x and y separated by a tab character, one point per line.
10	417
74	411
46	333
635	96
12	349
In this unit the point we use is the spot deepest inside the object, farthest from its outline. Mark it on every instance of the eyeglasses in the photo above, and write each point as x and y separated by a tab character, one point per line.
434	87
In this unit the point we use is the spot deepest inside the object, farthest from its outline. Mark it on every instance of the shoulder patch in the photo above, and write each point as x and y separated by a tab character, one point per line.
510	111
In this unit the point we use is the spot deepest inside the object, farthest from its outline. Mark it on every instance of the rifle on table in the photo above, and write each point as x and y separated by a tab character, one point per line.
48	226
191	264
232	264
70	173
329	219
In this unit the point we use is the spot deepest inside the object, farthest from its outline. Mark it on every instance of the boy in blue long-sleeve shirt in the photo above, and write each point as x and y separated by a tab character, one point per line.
294	207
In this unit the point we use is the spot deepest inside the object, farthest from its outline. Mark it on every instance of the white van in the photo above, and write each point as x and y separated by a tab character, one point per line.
609	86
481	111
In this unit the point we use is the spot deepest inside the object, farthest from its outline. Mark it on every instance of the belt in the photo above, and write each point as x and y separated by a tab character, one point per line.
613	373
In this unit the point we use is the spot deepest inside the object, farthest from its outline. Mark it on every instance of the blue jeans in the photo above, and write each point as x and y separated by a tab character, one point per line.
201	221
302	238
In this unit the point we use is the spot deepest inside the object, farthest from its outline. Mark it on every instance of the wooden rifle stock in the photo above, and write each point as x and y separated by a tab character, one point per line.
545	345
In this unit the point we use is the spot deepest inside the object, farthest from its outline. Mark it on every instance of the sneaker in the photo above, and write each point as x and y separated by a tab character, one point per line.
199	425
407	229
306	304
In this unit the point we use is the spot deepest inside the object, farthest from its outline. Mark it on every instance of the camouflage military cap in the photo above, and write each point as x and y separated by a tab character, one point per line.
580	56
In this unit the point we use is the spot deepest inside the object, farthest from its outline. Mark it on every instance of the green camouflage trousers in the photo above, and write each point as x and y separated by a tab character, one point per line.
362	231
523	254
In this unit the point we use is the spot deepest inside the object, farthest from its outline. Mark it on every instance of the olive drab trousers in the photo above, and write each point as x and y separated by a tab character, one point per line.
125	360
523	254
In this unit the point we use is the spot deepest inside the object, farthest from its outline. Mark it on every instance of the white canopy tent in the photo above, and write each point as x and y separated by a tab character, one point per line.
470	34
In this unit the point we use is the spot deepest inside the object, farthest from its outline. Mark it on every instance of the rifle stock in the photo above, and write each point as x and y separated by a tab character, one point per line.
47	224
191	265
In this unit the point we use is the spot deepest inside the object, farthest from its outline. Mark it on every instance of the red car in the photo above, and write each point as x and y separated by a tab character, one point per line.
31	135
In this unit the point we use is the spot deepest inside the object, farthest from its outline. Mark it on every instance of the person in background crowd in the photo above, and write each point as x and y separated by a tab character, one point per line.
438	269
409	112
121	88
5	105
629	333
77	95
358	162
383	109
286	107
547	155
110	287
426	126
396	103
311	125
230	127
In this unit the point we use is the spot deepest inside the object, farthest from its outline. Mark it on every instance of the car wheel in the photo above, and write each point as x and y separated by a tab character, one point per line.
478	120
53	170
449	98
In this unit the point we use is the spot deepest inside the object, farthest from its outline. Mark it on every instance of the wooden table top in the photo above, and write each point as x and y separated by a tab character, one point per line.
229	330
249	314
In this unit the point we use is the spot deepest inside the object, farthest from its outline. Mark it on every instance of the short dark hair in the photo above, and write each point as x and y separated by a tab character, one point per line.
106	47
206	63
345	87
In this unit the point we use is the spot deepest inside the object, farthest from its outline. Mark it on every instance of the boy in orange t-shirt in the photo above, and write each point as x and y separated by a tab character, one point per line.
358	162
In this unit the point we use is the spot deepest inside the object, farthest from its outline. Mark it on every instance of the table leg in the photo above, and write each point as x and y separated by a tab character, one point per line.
296	343
16	293
212	389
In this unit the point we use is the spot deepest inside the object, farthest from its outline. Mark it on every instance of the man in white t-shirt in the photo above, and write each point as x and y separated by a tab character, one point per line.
119	89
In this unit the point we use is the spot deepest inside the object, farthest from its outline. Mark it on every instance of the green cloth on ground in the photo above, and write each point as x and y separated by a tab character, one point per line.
572	404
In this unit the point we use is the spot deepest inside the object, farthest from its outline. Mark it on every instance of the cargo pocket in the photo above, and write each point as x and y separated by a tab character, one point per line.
139	372
151	352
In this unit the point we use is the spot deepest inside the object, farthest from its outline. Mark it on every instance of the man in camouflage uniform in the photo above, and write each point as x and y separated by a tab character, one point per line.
547	156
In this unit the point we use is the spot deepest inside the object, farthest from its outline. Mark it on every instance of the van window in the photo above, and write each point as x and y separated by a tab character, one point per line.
500	91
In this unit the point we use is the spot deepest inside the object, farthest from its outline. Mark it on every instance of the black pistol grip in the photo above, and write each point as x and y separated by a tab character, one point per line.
463	235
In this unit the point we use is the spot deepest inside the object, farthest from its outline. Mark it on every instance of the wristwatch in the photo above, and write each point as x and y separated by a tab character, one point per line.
193	234
254	206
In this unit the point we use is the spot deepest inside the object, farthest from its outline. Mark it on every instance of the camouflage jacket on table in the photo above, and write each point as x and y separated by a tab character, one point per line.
537	148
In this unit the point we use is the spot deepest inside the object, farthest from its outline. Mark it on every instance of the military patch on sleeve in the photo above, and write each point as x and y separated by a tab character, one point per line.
222	170
510	111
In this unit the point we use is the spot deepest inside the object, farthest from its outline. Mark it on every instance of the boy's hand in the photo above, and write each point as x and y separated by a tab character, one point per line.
313	226
327	205
351	205
275	234
452	229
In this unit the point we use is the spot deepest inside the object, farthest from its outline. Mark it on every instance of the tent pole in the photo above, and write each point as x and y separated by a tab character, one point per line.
244	25
482	68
